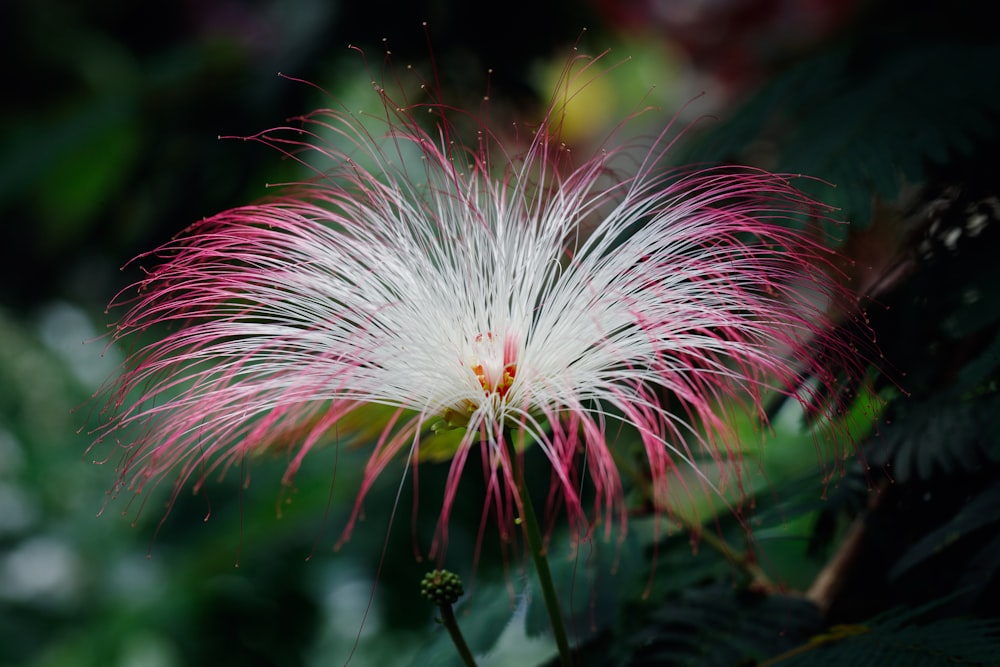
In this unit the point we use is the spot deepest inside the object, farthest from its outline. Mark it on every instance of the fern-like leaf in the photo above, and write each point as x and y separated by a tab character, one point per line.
866	123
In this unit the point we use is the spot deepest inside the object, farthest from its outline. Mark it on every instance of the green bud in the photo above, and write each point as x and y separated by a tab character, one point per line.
442	587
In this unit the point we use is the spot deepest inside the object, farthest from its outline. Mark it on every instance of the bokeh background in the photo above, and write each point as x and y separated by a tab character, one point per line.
111	113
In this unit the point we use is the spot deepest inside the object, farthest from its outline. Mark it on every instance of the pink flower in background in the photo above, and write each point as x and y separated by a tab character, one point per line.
482	290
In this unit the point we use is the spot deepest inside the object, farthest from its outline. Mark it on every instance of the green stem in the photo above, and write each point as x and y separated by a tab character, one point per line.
450	622
533	535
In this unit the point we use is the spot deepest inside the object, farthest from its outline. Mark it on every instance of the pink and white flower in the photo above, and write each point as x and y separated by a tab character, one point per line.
506	292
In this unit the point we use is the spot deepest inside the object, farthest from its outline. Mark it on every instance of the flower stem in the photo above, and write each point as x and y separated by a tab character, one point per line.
450	622
533	535
443	588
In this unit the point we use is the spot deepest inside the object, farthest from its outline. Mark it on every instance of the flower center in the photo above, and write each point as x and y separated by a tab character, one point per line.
499	386
496	365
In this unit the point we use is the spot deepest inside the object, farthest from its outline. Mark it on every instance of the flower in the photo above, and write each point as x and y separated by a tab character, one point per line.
508	294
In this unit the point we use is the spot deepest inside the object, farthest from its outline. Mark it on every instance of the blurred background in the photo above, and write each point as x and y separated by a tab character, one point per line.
111	113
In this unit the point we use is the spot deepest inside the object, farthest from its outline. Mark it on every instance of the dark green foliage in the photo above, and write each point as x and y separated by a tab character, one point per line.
866	117
981	512
900	637
938	438
696	607
714	625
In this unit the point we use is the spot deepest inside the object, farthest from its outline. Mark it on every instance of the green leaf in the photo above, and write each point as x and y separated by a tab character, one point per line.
707	626
981	511
896	638
866	128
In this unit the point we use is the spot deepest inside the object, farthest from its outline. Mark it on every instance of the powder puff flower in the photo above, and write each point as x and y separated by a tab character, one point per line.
511	293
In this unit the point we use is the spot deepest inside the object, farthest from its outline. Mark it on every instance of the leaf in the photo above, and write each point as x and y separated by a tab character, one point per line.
896	638
982	511
937	436
866	123
717	625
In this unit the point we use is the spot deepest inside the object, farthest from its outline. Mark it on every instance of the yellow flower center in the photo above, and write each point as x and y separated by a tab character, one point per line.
502	385
494	364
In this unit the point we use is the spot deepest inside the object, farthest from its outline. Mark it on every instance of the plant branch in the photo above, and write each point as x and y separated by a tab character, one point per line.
450	622
744	560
